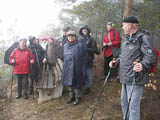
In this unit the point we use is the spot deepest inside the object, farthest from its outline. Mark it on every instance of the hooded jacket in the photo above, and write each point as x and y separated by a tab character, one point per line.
90	45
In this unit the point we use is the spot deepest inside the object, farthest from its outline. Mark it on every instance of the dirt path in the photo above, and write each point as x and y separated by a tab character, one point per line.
20	109
109	107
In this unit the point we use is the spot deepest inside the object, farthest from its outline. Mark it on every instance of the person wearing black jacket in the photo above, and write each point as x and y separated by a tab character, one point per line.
36	68
64	40
90	46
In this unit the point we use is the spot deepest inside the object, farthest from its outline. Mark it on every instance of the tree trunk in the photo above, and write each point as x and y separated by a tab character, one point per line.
122	2
127	9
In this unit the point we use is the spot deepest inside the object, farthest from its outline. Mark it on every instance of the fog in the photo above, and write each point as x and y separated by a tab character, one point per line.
26	17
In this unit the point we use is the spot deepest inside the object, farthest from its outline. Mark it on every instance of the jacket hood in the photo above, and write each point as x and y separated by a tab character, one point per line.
141	32
85	27
31	39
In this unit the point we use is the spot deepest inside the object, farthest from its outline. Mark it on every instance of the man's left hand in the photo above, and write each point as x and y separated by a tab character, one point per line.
137	67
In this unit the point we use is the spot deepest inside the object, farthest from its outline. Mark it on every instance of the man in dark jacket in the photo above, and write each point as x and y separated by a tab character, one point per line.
90	46
136	45
111	44
52	61
36	68
64	40
73	74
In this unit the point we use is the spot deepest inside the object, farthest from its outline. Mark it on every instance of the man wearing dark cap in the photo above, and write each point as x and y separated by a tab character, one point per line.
36	68
64	39
136	59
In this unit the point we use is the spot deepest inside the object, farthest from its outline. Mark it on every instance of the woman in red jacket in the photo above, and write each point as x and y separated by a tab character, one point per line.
111	45
22	58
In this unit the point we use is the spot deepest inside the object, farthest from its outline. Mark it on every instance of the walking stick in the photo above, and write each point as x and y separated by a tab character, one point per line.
10	99
98	65
94	109
33	90
133	84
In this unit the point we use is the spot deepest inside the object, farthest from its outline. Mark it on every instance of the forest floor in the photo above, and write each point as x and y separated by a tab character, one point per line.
108	108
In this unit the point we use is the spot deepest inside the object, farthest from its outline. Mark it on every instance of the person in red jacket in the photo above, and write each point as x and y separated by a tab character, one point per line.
22	58
111	45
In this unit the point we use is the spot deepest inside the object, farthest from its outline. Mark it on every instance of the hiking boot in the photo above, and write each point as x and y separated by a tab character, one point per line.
18	96
76	102
70	100
86	91
36	92
110	79
25	96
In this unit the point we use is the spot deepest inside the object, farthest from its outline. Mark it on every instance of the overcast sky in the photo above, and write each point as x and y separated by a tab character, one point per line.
26	17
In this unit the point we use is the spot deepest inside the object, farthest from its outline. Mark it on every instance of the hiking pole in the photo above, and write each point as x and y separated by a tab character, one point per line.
33	89
94	109
133	85
31	76
10	99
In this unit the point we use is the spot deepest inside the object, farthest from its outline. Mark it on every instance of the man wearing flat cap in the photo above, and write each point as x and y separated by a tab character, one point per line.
136	59
36	68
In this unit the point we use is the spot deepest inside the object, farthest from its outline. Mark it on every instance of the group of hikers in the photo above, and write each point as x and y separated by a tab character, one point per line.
135	58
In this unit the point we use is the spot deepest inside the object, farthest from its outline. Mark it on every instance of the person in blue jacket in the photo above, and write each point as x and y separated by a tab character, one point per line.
73	72
91	49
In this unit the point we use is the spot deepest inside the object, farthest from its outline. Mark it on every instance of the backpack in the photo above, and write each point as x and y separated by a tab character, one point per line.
154	67
157	54
115	51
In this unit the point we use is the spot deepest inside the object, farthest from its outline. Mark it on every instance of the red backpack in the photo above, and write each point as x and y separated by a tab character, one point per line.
154	67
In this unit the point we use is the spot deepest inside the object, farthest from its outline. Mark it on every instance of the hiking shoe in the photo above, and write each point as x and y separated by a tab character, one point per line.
36	92
110	79
76	102
70	100
25	96
18	96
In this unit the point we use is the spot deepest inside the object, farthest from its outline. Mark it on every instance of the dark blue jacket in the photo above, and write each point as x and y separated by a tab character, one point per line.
73	72
90	45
